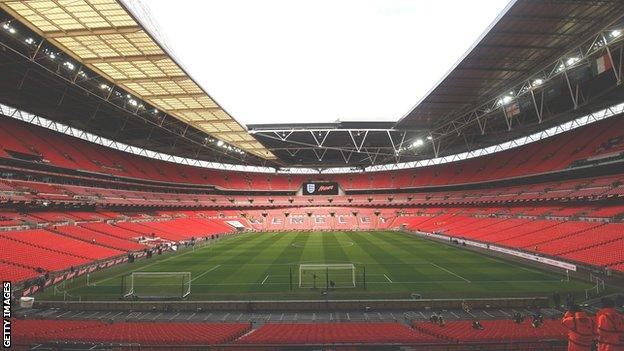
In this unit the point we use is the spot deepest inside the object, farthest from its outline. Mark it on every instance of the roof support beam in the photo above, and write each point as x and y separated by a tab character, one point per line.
152	79
199	109
155	57
95	31
183	95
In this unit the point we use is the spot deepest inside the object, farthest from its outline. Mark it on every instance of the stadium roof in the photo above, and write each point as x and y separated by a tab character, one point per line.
104	36
539	48
553	42
525	38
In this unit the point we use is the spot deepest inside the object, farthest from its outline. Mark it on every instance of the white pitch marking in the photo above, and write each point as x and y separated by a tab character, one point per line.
62	314
206	272
389	280
447	271
265	279
148	265
505	313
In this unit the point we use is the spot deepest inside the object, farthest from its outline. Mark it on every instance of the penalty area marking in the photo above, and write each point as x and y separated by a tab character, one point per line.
265	279
389	280
206	272
450	272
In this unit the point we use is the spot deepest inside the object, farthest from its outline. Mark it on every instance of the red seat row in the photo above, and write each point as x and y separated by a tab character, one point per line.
27	332
336	333
596	243
494	330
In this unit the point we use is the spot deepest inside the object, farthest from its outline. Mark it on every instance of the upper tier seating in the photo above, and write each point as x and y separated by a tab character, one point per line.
50	147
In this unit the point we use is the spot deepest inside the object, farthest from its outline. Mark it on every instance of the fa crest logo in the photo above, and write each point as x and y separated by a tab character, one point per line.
310	188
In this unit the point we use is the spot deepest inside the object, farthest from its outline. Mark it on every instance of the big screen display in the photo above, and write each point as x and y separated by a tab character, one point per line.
320	188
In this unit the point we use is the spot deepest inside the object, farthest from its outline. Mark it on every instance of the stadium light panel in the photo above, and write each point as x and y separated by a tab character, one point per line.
572	60
505	100
616	33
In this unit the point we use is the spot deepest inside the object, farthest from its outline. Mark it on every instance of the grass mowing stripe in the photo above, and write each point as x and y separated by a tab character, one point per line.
287	254
397	264
394	240
365	242
164	259
391	239
332	247
313	250
511	265
250	255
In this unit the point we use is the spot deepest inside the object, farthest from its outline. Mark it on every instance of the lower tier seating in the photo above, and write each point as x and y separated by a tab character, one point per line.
319	333
494	330
27	254
163	334
146	334
595	243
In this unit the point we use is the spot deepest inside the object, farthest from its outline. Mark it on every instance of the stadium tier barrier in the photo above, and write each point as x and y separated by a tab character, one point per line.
297	305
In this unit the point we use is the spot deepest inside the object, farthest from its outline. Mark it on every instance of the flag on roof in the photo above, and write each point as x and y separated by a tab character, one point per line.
512	109
601	64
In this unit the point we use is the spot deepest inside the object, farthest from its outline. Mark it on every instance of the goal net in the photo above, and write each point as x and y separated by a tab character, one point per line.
156	285
327	275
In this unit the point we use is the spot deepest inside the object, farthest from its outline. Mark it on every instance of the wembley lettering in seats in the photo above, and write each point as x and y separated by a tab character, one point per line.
320	188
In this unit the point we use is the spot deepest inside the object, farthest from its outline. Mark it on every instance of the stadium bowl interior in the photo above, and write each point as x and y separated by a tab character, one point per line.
137	213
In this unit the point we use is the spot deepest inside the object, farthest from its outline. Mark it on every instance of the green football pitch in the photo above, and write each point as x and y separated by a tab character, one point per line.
266	266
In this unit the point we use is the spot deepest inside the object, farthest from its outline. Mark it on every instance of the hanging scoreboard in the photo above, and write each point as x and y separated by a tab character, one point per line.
320	188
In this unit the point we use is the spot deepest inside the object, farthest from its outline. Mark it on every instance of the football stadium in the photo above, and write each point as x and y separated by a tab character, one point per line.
142	209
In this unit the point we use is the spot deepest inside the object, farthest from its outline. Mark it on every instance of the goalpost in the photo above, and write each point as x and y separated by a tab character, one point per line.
156	285
335	275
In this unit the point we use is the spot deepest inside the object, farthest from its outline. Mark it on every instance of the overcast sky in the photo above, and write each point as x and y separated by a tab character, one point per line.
286	61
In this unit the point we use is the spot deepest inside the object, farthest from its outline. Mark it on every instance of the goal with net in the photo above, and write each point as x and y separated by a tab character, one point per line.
156	285
337	275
